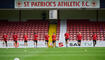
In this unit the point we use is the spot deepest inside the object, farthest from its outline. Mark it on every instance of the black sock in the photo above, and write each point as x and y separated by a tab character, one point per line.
78	44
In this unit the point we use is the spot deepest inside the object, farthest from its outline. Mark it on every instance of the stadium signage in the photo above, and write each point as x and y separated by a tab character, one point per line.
58	44
57	3
73	44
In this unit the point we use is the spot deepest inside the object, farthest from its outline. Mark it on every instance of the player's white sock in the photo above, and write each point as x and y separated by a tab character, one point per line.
66	45
34	46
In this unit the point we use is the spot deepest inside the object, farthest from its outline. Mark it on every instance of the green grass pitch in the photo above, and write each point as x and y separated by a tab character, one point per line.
72	53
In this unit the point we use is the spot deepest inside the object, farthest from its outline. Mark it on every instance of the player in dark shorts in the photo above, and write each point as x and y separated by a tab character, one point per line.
67	38
46	39
54	40
94	36
79	37
15	38
35	39
5	36
25	39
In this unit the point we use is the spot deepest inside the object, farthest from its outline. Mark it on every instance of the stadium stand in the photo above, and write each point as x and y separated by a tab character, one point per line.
86	28
41	27
29	27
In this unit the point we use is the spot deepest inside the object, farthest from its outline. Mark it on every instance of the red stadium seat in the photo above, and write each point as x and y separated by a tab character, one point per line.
86	28
38	26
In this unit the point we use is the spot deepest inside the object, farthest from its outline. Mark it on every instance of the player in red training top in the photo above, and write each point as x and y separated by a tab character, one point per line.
54	39
5	36
15	38
79	38
46	39
35	39
25	37
67	35
94	36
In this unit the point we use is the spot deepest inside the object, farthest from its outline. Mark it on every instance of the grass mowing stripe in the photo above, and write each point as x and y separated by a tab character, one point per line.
71	53
57	55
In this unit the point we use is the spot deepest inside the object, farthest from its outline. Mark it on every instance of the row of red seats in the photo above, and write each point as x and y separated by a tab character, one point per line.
86	28
40	27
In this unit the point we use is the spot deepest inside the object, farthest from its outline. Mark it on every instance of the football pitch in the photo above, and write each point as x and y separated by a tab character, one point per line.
72	53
